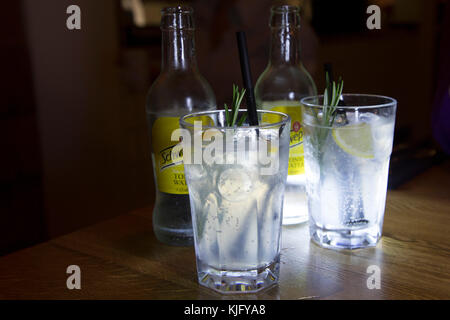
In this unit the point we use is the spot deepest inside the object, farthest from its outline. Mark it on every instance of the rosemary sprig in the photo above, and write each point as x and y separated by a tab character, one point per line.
331	96
231	116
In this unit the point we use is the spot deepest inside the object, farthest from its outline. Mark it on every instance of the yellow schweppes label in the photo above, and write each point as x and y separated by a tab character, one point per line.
169	171
296	155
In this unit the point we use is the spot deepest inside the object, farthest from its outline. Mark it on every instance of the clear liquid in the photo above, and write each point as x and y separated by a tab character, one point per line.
172	223
347	193
237	215
295	208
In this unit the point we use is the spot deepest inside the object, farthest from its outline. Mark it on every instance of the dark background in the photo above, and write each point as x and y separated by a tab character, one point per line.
74	147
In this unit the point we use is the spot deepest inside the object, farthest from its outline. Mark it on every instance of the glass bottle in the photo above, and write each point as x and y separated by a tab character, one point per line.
280	87
178	90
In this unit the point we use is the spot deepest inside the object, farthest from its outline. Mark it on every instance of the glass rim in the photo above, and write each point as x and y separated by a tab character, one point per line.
390	101
185	124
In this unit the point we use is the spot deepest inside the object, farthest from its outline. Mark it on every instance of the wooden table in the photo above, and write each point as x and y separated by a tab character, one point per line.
121	259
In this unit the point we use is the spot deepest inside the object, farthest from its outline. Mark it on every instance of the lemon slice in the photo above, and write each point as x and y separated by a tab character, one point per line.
355	139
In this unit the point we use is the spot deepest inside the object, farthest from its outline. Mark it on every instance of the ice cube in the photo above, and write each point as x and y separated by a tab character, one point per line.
235	184
195	172
241	134
368	117
382	133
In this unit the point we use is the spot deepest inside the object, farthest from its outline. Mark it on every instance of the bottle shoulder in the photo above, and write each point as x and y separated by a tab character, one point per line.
180	93
285	73
285	82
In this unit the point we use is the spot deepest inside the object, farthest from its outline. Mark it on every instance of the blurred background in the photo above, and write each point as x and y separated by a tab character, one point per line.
74	145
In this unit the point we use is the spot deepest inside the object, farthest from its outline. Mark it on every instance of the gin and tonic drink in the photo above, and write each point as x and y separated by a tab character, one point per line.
236	194
346	165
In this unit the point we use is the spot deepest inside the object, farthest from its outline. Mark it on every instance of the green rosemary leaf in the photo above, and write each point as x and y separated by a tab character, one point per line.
242	119
227	115
326	93
239	97
331	97
231	114
335	97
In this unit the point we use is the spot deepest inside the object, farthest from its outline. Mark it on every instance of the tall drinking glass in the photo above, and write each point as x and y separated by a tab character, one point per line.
347	156
236	179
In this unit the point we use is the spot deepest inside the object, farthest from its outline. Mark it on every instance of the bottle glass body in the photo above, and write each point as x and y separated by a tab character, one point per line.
178	90
280	87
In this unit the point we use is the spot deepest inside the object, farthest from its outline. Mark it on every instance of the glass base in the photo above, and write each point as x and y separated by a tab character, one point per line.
242	281
345	239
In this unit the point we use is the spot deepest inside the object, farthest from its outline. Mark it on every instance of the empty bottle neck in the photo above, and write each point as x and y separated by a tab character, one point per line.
178	46
284	47
285	41
178	50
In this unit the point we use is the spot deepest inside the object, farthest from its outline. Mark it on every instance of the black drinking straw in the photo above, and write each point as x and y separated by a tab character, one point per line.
247	78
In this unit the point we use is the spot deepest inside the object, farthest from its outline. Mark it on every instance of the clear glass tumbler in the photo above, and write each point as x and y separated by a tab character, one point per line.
347	152
236	178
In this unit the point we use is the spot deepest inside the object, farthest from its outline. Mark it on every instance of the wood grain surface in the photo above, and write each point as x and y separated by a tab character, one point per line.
121	259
